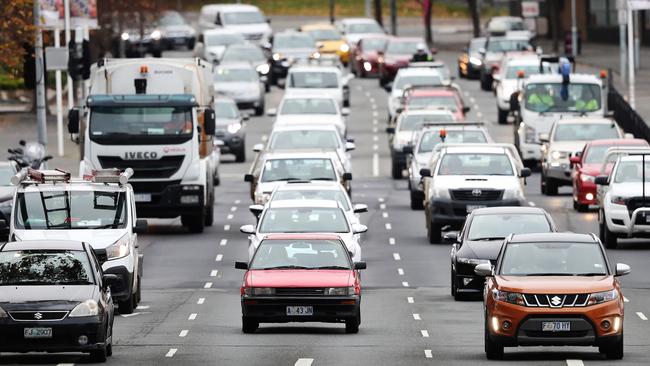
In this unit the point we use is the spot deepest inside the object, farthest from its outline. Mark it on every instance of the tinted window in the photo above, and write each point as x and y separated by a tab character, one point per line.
530	259
585	132
226	110
508	45
414	122
313	79
304	220
373	44
475	44
432	138
235	75
325	34
148	124
172	18
302	253
242	17
305	139
308	106
475	164
313	194
551	98
365	28
298	169
485	227
224	39
45	267
402	47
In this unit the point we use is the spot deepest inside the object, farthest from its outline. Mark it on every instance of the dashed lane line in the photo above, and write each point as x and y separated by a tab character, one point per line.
641	315
375	165
304	362
410	300
171	352
574	363
428	353
425	333
375	147
389	226
183	333
416	317
626	299
391	241
214	273
230	217
219	258
405	284
382	206
192	316
207	285
400	271
233	208
237	202
200	301
380	199
226	228
396	256
384	215
223	242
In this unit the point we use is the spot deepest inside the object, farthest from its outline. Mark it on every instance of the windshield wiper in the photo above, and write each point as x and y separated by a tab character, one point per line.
73	283
28	283
331	267
107	226
488	238
284	179
548	274
591	274
286	267
322	178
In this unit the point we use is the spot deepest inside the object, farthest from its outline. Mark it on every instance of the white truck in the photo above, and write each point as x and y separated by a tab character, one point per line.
545	98
154	116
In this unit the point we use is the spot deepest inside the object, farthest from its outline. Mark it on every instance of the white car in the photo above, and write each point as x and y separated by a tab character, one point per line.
514	68
410	76
245	19
99	210
241	83
321	80
310	109
305	216
568	137
463	177
624	203
213	42
355	28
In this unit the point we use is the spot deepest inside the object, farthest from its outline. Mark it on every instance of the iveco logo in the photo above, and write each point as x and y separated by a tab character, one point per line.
140	155
38	316
477	192
556	301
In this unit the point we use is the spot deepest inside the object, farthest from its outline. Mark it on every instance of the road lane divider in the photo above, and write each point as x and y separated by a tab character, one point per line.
416	317
396	256
200	301
207	285
400	271
183	333
641	315
171	352
375	165
391	241
223	242
410	300
425	333
405	284
192	316
428	353
214	273
304	362
574	363
219	258
389	226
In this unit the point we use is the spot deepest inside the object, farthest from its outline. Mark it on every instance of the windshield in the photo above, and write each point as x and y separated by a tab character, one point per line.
436	101
70	210
172	18
298	169
373	44
563	259
475	164
417	80
402	47
297	40
235	75
476	44
364	28
302	254
141	125
313	79
585	131
305	139
528	70
226	110
242	17
550	97
631	171
507	25
485	227
313	194
325	34
508	45
432	138
304	220
6	172
45	267
414	122
308	106
243	54
224	39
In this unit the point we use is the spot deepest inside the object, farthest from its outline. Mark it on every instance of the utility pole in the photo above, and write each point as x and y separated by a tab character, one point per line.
622	21
68	37
574	30
39	77
630	57
368	8
393	17
331	11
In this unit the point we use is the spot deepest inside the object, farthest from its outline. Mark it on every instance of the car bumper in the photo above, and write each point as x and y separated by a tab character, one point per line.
166	199
231	142
467	281
558	170
274	309
585	193
529	151
172	42
635	224
446	211
65	335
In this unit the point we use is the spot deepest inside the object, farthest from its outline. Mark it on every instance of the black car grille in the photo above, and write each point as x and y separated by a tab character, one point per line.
152	187
164	167
37	315
299	291
476	194
633	203
556	301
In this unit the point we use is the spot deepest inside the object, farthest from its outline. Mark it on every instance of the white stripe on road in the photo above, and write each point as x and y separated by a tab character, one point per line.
425	333
479	115
200	301
391	241
223	242
171	352
207	285
388	226
230	216
304	362
192	316
405	284
265	137
65	364
226	228
375	130
374	106
374	113
400	271
410	300
375	138
428	353
374	121
375	165
237	202
574	363
380	199
472	100
641	315
625	299
233	208
384	215
416	317
396	256
214	273
372	100
367	94
142	307
219	257
531	203
375	147
382	206
183	333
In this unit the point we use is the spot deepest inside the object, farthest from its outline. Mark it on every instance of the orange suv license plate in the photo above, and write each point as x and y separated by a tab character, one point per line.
556	326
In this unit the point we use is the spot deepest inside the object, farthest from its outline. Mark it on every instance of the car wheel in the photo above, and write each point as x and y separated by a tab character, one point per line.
127	306
259	111
98	355
493	350
460	73
209	215
138	293
614	351
579	206
352	324
485	82
195	223
452	283
416	201
396	171
609	238
434	232
109	346
249	325
550	186
346	103
503	116
240	156
157	53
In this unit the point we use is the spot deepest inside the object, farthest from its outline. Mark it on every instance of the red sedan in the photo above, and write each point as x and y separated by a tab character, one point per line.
398	54
301	278
587	166
365	55
437	97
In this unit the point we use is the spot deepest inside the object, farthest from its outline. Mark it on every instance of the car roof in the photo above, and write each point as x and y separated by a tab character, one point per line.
585	120
298	236
316	26
219	31
231	7
426	112
634	158
475	149
304	154
557	78
236	65
552	238
406	39
618	142
71	186
312	68
317	185
432	92
44	245
307	96
523	210
6	163
407	71
303	204
304	127
358	20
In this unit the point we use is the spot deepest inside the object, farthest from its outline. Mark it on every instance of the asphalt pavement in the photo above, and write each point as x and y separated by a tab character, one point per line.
190	312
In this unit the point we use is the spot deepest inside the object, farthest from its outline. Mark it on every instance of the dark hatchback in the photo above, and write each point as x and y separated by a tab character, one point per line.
54	298
481	239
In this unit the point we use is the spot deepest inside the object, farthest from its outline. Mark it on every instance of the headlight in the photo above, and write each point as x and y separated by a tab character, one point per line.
86	308
441	193
513	194
344	47
3	313
601	297
125	36
234	127
475	61
339	291
156	34
618	200
587	178
120	249
367	66
277	56
472	261
260	291
557	155
263	68
509	297
530	135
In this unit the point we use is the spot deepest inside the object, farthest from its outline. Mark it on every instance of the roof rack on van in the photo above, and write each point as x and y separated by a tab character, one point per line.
113	175
33	176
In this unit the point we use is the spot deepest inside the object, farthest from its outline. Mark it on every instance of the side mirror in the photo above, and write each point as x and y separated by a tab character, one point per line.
360	265
390	130
451	238
209	122
484	270
256	209
525	173
543	137
349	146
388	87
360	208
466	109
408	149
73	120
141	226
247	229
271	112
602	180
241	265
258	147
622	269
347	176
359	229
575	159
425	172
399	110
345	111
109	279
628	136
249	178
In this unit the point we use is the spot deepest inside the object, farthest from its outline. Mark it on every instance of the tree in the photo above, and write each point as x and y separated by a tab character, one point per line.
476	20
16	30
427	9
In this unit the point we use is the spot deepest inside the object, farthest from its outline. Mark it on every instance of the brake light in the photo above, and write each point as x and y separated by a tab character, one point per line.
603	74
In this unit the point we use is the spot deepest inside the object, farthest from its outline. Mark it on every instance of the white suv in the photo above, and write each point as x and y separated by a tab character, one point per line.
323	80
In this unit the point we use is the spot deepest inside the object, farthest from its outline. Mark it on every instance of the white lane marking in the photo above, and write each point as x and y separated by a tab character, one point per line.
265	137
226	228
192	316
382	206
374	121
391	241
214	273
400	271
130	315
396	256
641	315
219	258
223	242
237	202
428	353
373	106
405	284
142	307
65	364
375	114
183	333
375	165
574	363
372	100
375	147
425	333
380	199
384	215
531	203
304	362
472	100
375	130
466	94
375	138
410	300
230	216
479	115
416	317
207	285
367	94
233	208
388	226
475	106
171	352
625	299
200	301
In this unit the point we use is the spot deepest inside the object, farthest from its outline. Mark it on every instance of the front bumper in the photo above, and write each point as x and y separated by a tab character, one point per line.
558	170
467	281
65	335
176	41
631	224
166	199
124	288
581	192
326	309
451	212
232	142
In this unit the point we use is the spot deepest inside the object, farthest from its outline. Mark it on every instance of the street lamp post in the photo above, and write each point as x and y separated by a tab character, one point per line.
574	30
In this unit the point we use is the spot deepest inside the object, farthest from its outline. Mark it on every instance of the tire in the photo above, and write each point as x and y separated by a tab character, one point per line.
493	350
550	186
460	74
503	116
157	53
396	171
608	238
346	103
249	326
614	351
259	111
194	223
138	293
416	201
99	355
190	44
352	324
580	207
240	156
452	283
267	87
109	346
209	216
486	85
434	233
127	306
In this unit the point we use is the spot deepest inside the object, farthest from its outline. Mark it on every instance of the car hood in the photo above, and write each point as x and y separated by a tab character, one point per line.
310	118
594	169
331	45
393	59
568	146
476	181
252	28
300	278
177	29
555	284
481	249
629	189
222	123
370	56
332	92
44	297
98	239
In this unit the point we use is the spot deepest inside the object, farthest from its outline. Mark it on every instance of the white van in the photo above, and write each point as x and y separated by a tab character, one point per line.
245	19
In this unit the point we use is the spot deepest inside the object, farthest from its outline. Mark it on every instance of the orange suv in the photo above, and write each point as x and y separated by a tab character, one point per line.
553	289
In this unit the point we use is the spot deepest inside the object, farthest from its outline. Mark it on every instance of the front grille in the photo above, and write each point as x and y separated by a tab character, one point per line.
476	194
152	187
37	315
556	301
164	167
299	291
633	203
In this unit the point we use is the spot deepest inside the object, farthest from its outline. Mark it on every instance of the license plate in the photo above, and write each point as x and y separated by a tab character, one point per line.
556	326
37	332
471	208
179	40
300	310
142	197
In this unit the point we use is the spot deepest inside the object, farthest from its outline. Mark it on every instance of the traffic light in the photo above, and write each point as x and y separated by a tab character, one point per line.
79	60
